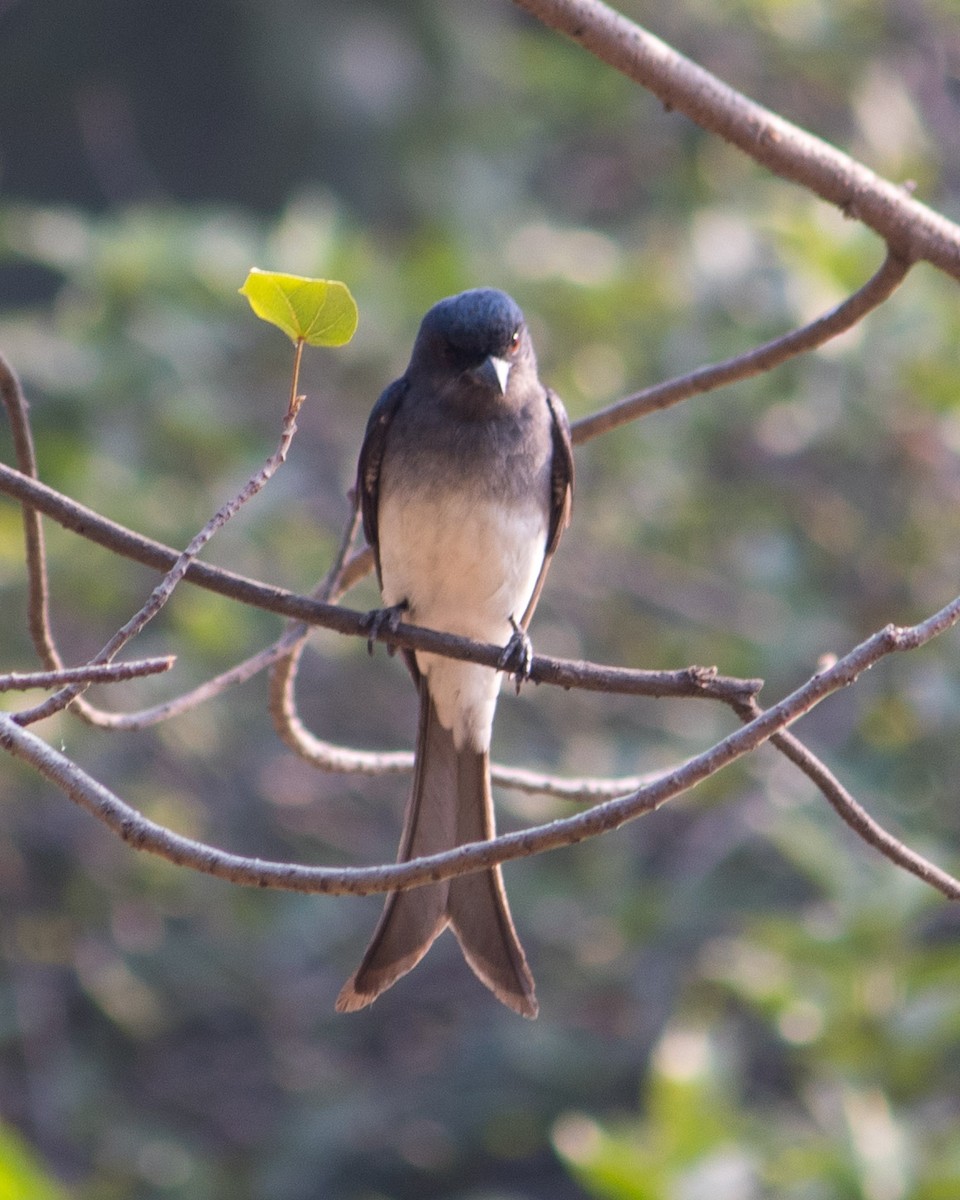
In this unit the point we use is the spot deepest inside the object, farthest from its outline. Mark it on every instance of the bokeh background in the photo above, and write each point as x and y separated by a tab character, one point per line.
738	999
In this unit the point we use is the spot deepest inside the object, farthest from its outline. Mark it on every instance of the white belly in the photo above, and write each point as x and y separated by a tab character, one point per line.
463	568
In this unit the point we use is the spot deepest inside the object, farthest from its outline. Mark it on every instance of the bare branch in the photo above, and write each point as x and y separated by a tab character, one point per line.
855	815
911	229
584	790
133	828
744	366
165	588
327	756
283	678
38	586
178	705
282	699
22	681
700	682
115	537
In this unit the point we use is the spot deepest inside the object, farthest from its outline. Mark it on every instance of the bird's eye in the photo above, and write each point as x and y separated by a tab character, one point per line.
514	341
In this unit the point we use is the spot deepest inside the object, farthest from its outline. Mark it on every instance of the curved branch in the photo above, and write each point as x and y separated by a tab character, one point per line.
143	718
911	229
41	630
702	682
38	608
135	829
165	588
771	354
855	815
327	756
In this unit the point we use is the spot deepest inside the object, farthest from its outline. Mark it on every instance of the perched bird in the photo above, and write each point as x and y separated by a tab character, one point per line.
465	481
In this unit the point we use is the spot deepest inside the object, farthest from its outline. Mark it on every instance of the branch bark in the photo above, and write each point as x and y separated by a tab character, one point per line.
771	354
912	231
20	681
143	834
694	681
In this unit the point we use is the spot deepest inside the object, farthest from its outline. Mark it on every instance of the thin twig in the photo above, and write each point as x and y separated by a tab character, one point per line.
855	815
911	229
327	756
177	706
694	681
283	678
165	588
135	829
753	362
278	652
38	604
22	681
119	540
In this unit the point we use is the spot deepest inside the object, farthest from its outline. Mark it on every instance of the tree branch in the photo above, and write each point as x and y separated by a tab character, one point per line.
771	354
22	681
911	229
135	829
859	820
694	681
38	615
165	588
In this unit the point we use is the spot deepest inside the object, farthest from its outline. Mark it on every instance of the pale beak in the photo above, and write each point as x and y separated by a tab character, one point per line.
494	372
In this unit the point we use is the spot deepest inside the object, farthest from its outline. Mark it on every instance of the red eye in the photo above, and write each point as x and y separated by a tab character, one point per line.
515	340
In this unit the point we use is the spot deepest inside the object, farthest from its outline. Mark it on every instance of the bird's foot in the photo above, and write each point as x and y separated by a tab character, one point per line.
380	619
517	656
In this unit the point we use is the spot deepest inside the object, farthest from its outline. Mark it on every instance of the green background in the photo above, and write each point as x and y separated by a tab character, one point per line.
738	999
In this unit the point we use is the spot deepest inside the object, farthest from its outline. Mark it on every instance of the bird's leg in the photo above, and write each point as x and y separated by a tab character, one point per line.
517	656
388	618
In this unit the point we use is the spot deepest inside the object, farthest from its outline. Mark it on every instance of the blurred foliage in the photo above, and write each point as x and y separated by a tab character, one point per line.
804	1060
785	1002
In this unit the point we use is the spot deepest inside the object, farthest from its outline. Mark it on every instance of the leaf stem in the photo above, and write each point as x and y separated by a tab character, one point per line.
295	399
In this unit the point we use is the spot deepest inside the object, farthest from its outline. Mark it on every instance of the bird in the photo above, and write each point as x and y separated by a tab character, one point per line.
465	482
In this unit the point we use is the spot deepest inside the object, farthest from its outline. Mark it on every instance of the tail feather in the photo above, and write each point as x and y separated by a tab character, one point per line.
477	903
450	803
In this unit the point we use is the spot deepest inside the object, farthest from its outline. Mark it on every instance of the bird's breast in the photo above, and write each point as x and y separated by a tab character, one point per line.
464	565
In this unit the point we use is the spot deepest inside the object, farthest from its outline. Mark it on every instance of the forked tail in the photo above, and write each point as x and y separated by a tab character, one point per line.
450	804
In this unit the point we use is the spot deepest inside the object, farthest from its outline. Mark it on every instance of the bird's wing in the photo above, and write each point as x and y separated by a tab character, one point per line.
371	460
561	472
561	492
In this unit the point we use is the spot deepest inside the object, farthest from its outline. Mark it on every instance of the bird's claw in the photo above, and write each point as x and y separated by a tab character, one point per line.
380	619
517	656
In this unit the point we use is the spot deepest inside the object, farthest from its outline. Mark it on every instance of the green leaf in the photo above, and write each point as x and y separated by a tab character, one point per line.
320	312
21	1173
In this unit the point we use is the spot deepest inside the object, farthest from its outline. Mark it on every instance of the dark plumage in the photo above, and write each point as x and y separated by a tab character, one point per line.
465	479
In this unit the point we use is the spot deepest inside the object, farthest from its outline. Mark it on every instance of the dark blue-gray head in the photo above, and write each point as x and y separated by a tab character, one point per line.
478	340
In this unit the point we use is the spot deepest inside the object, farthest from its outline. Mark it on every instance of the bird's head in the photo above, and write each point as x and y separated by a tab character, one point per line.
478	341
